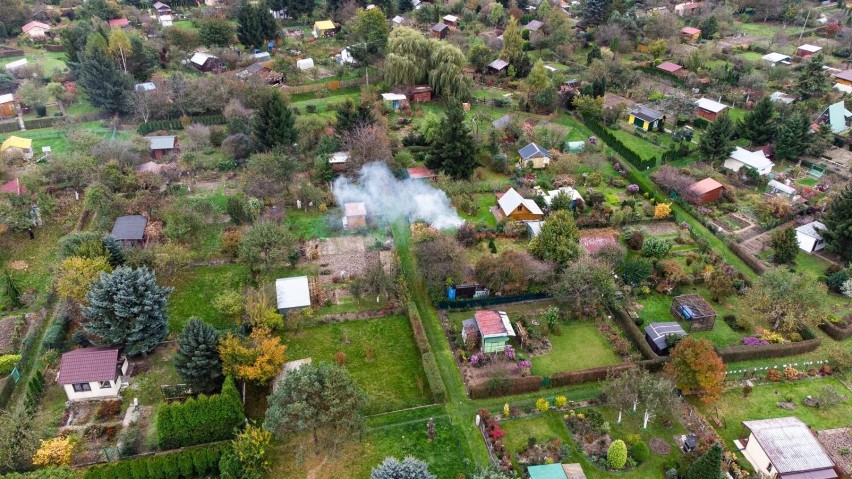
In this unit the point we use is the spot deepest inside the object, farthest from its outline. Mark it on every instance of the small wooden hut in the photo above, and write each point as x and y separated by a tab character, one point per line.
695	310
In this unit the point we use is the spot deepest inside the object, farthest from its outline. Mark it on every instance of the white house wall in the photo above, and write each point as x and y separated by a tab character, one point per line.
95	393
755	455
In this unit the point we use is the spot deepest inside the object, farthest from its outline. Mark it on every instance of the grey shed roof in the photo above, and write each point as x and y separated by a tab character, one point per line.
498	64
502	122
533	25
811	229
439	27
790	445
130	227
162	142
657	332
646	114
531	150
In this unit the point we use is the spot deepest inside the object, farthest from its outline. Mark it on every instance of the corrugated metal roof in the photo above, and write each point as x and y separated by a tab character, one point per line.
647	114
162	142
88	364
710	105
789	444
546	471
293	292
811	229
493	324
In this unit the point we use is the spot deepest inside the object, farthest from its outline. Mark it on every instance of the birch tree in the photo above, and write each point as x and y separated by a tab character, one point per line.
622	391
656	394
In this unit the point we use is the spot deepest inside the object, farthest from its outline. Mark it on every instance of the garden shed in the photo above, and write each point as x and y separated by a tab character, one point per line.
556	471
493	329
694	309
130	230
656	333
354	215
292	294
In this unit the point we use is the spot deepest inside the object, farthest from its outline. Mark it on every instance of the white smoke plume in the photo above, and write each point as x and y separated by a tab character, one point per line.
391	199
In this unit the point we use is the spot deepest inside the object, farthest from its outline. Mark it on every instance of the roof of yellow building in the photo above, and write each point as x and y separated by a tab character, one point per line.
324	25
17	142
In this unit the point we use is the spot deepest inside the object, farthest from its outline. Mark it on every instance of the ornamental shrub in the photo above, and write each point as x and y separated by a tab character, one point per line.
542	405
561	401
640	452
616	456
7	363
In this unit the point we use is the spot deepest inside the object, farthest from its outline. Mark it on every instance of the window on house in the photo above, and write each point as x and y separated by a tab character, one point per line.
769	467
82	387
106	384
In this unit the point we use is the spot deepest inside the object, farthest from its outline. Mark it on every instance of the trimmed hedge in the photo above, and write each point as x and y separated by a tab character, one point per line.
186	464
436	385
768	351
636	335
587	375
507	387
47	473
604	134
417	328
748	259
836	332
9	127
201	419
47	122
175	124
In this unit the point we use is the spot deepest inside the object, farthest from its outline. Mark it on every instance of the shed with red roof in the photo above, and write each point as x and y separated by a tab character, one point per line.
492	328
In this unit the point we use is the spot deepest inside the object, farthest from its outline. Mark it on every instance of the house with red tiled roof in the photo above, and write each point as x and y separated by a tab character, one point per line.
491	328
118	22
92	373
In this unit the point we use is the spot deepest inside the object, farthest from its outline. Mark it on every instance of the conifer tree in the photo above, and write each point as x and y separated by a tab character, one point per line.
785	245
596	12
127	308
812	81
408	468
708	466
274	124
791	140
759	124
197	360
105	84
453	151
838	223
716	142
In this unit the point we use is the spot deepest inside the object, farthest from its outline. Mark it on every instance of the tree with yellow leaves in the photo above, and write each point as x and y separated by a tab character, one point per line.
257	359
77	273
54	452
662	211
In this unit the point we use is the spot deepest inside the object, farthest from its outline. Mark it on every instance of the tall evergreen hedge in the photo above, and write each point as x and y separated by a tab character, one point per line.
187	464
200	420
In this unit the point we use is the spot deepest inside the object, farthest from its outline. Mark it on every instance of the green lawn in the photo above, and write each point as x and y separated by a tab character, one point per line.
49	61
762	404
579	346
808	181
551	425
308	225
197	288
393	379
186	24
644	149
56	138
656	309
146	387
483	213
398	435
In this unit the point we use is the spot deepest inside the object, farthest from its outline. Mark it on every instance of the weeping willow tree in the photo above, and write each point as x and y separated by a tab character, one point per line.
414	59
